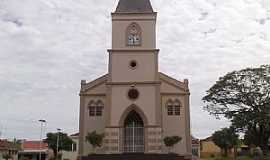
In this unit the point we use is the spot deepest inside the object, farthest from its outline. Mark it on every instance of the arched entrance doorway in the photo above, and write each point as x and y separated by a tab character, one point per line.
133	133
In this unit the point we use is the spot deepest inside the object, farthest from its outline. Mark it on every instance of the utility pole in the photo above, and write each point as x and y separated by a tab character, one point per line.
57	143
41	129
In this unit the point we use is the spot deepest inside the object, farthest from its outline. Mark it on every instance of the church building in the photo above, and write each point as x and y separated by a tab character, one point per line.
134	105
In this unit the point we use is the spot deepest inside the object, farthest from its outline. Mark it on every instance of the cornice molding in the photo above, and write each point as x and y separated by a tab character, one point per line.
134	83
134	19
134	13
147	126
124	51
92	94
174	94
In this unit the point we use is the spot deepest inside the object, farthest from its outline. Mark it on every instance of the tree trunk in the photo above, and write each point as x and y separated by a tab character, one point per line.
226	152
95	150
55	153
264	148
234	152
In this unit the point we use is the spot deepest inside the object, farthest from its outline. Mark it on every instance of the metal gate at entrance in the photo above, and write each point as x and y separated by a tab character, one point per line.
133	133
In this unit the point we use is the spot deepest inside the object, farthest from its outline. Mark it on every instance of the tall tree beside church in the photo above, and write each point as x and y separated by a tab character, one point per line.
244	98
64	143
226	139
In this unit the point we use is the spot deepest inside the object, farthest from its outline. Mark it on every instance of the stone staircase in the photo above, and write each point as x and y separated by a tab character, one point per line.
135	157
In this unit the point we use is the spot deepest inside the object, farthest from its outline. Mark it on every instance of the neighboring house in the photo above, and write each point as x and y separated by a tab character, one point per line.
10	148
195	145
135	105
34	150
73	154
209	149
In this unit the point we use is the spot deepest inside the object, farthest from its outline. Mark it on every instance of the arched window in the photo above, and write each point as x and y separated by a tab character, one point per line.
177	106
92	108
133	133
95	108
169	106
173	107
99	108
134	35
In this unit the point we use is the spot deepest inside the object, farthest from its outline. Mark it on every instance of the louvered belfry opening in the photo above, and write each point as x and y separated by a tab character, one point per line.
133	133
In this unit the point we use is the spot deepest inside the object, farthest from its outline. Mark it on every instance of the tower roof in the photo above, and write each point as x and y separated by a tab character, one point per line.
137	6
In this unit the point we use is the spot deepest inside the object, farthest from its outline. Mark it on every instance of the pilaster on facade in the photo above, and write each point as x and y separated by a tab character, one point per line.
112	140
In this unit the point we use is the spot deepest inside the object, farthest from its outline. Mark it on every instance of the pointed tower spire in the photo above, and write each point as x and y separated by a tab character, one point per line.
134	6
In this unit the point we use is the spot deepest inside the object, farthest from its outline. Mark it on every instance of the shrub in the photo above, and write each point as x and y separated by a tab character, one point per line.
171	141
95	139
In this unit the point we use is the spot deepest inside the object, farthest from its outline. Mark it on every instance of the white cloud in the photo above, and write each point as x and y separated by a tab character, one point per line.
48	46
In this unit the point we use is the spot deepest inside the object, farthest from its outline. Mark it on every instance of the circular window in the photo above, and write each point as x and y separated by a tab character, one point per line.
133	94
133	64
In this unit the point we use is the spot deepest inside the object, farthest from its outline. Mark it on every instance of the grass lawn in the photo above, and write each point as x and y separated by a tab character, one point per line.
238	158
229	158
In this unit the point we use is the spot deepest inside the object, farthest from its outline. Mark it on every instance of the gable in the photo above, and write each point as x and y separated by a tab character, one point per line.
171	85
97	86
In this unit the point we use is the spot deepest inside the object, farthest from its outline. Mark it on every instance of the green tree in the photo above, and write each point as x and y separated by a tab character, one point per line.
64	143
170	141
95	139
225	139
244	98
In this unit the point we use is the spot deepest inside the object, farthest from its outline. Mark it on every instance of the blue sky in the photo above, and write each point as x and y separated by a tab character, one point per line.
48	46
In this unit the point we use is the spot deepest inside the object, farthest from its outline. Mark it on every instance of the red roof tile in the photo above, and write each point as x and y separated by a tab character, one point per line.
195	141
3	144
34	145
6	145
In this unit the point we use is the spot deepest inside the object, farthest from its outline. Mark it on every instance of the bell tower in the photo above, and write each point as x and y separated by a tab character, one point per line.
133	80
133	56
